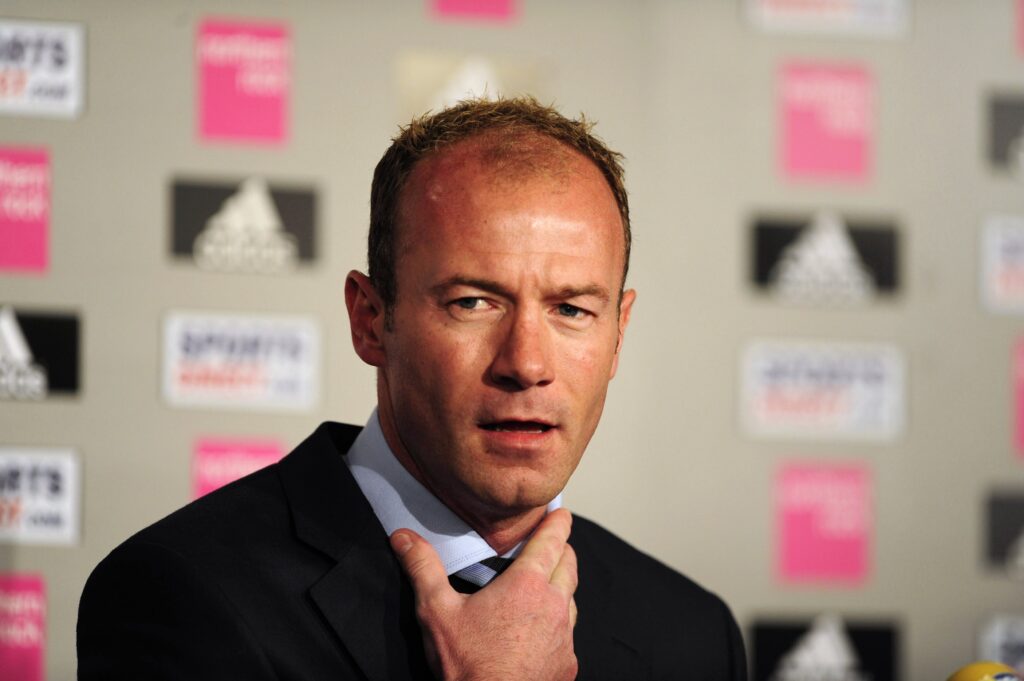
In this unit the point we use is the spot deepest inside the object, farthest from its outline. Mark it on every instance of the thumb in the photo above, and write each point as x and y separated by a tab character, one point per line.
421	564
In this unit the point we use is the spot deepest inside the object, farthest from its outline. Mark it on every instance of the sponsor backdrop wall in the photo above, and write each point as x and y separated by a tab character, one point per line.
820	409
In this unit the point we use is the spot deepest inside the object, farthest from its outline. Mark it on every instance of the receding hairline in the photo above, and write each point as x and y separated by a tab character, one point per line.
509	157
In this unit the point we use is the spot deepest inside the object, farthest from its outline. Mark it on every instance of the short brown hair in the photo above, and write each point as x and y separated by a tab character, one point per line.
518	117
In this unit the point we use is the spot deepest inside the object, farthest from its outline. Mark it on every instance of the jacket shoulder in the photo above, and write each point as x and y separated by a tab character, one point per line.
629	563
243	514
668	621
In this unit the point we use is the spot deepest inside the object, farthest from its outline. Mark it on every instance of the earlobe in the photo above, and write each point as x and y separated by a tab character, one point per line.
365	318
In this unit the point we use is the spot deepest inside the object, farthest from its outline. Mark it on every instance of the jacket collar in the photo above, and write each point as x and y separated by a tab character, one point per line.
364	598
606	646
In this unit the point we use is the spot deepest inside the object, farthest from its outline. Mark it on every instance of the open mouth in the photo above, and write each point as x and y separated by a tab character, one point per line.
517	427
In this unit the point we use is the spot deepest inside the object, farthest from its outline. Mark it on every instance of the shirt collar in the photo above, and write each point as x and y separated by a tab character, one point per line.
399	500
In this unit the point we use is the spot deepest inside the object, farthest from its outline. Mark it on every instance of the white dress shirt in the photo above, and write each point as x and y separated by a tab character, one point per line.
399	500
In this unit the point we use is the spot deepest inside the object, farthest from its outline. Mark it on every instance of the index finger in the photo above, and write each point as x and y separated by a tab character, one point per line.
544	549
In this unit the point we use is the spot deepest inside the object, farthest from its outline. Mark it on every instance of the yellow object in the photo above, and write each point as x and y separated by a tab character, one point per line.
985	671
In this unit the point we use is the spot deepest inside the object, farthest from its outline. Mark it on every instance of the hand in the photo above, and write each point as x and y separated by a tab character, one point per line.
518	628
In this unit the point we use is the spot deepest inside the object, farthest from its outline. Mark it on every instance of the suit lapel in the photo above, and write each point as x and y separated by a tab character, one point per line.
604	649
364	598
359	600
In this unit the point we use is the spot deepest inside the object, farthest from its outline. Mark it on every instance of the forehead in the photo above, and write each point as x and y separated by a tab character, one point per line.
488	171
504	158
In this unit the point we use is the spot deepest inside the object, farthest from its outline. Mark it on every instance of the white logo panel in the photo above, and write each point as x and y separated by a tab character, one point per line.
817	390
41	68
39	496
241	362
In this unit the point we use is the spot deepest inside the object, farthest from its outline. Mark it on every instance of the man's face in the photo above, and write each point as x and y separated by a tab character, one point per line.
505	331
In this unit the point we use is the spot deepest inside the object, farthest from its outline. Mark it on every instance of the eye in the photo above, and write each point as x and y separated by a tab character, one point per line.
471	308
469	303
571	311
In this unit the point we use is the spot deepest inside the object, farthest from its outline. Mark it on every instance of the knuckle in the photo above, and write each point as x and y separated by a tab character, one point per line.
525	592
572	669
563	618
416	566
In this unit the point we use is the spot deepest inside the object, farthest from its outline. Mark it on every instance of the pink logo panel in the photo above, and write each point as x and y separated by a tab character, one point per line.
1020	27
216	461
24	209
823	520
1018	390
22	627
488	10
826	122
244	81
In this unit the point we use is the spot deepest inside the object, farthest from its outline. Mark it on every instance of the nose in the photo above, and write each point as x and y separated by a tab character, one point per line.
523	359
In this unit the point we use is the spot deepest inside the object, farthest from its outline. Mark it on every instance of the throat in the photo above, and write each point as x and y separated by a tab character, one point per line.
505	534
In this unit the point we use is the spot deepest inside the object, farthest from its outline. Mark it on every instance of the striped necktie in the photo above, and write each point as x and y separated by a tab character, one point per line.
471	579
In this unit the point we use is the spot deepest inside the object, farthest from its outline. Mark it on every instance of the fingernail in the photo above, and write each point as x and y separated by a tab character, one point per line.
400	542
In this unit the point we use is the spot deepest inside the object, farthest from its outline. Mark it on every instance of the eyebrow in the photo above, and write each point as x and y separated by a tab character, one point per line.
565	292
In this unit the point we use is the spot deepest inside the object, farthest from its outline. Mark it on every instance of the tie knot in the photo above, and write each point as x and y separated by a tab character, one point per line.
472	578
496	563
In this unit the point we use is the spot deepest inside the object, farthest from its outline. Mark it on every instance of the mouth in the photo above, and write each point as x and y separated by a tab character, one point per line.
517	426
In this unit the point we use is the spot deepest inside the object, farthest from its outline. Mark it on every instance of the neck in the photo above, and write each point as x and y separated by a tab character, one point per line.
502	529
505	534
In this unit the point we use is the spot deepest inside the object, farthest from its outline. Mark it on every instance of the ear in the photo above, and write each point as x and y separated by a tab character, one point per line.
625	308
365	318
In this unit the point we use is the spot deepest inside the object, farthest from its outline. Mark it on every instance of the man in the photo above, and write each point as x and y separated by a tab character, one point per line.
494	311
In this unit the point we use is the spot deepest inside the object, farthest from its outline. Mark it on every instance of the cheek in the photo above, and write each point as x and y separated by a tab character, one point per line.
445	367
588	362
589	375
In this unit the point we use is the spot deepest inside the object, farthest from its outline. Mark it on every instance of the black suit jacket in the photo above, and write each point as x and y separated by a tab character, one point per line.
288	574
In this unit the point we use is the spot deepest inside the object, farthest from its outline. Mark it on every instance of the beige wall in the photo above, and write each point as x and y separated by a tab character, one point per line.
686	89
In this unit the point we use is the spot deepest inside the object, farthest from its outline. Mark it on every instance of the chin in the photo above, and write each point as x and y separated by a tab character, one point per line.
521	498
